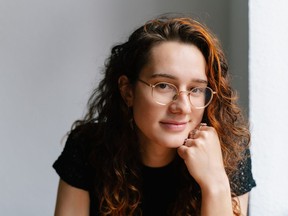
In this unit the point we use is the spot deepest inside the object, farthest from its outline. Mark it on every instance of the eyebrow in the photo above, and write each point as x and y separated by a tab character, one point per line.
169	76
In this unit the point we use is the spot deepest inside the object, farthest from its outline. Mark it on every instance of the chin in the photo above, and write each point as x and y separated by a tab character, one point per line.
174	144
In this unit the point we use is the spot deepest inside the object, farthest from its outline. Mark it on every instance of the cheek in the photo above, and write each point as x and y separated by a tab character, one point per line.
197	117
200	115
144	111
142	103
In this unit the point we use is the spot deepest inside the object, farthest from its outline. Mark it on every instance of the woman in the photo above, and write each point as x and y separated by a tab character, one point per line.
163	134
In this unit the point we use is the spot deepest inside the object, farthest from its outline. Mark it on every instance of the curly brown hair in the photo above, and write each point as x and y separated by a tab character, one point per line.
118	187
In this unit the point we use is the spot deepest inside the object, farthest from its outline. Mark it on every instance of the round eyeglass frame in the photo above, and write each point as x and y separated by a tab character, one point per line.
177	94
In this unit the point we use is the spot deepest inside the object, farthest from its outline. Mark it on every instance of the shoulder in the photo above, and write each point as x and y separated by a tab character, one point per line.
84	132
242	180
73	164
83	137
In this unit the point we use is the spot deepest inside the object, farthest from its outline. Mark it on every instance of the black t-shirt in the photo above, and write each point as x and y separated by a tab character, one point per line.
160	185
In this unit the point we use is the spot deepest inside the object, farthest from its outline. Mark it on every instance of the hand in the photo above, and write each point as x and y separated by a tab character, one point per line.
202	155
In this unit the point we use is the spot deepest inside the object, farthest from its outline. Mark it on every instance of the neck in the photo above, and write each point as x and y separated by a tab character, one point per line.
156	156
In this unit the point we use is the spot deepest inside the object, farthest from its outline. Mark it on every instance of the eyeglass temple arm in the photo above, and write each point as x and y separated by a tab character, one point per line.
148	84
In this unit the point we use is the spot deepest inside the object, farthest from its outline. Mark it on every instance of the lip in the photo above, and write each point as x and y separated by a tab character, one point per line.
176	126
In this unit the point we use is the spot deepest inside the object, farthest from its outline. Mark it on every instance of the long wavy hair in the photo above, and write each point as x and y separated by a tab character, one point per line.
115	156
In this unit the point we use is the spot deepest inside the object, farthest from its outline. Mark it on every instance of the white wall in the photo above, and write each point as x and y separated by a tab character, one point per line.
269	105
51	53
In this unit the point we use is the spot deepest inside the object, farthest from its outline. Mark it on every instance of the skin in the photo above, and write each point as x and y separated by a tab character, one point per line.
162	130
71	201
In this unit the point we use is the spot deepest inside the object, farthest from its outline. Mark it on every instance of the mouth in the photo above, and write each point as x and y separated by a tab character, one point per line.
177	126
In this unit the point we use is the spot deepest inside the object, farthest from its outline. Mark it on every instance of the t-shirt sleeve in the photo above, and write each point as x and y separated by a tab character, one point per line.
243	181
72	165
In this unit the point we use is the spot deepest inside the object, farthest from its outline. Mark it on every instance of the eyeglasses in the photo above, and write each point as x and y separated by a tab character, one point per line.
164	93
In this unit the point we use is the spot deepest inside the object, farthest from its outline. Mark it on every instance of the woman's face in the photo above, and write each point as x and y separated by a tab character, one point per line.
168	125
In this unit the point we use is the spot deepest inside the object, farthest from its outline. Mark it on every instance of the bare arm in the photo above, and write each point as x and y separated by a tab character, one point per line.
216	198
219	202
243	202
71	201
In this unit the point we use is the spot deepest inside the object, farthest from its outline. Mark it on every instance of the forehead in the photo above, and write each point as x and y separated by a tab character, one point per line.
175	59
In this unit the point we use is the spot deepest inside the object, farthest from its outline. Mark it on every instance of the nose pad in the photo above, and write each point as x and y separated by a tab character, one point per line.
180	92
175	97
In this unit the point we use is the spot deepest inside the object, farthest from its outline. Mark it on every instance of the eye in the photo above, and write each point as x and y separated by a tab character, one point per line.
164	87
198	91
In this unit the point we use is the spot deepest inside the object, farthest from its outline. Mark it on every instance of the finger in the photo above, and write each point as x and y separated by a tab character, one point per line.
182	151
195	133
192	133
188	142
201	125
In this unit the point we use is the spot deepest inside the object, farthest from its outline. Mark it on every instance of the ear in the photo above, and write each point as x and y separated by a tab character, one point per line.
125	90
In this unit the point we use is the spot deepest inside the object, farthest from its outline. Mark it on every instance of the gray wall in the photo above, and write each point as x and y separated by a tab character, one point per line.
51	53
237	51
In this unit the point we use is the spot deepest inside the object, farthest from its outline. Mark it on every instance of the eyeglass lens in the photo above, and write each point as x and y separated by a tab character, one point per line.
164	93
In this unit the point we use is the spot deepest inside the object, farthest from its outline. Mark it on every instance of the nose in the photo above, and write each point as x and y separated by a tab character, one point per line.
181	103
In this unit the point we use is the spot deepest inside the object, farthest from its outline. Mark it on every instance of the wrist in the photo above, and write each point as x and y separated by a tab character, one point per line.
216	186
216	198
